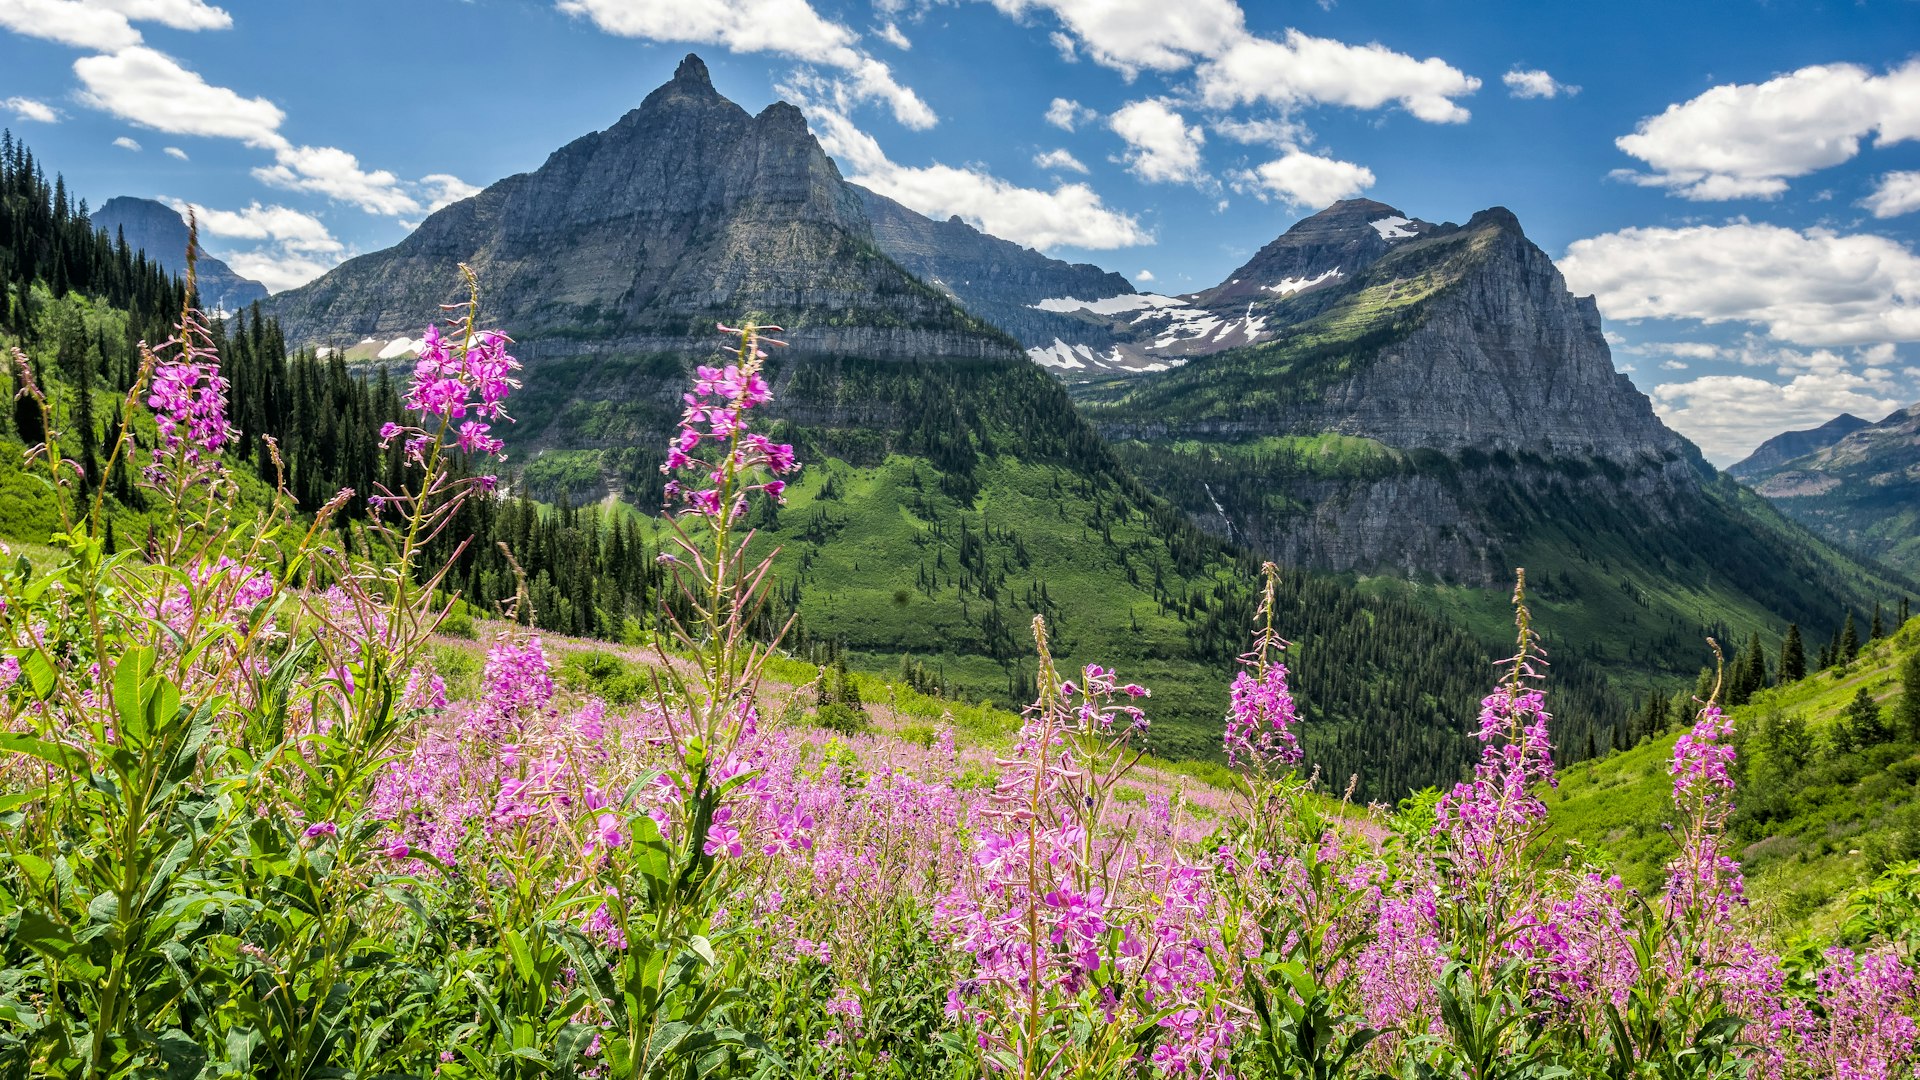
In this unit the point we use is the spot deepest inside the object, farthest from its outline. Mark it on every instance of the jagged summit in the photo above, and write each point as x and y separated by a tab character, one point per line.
692	72
639	237
1318	251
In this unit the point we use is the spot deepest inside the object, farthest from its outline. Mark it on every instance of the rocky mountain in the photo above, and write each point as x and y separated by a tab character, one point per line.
1147	332
160	231
1861	490
639	238
1430	403
1787	445
951	490
1000	281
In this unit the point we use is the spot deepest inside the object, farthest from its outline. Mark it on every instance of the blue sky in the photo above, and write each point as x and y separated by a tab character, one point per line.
1739	183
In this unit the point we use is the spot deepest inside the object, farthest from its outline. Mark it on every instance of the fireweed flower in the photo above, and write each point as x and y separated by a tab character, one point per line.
714	458
1703	883
1259	731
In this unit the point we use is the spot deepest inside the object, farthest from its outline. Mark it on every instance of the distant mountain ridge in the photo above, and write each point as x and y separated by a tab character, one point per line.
1788	445
1861	490
159	230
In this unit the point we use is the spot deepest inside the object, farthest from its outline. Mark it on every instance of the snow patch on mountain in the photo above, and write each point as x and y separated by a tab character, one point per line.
1392	228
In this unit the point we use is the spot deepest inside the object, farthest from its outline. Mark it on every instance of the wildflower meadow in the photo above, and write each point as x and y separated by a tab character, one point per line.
250	827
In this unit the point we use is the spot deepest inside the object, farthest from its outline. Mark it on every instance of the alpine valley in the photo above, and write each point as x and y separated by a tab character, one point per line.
1401	412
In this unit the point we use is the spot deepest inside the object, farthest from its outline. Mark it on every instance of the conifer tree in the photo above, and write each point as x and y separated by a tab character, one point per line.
1907	713
1793	656
1864	720
1877	630
1849	646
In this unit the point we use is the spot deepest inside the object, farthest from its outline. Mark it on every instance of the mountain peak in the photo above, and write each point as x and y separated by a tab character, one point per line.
1498	216
1352	208
160	231
692	73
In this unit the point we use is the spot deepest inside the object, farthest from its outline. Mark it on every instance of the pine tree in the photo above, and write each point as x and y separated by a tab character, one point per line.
1849	646
1793	656
1864	720
1907	713
1878	630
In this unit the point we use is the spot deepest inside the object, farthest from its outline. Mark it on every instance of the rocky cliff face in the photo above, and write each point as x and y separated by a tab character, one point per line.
1784	447
160	231
996	279
638	238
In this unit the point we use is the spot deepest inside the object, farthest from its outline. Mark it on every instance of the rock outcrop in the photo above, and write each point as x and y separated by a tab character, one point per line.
639	238
160	231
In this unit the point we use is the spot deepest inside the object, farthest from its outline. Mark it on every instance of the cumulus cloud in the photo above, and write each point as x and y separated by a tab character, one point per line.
25	108
1161	146
1235	67
1673	365
154	90
1301	179
786	27
105	25
1065	113
445	189
291	247
1070	215
1306	70
1059	159
890	33
1810	288
1896	193
1143	276
1729	415
125	143
174	152
1525	83
335	173
1746	140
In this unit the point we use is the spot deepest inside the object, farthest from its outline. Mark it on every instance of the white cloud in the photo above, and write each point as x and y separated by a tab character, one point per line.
179	14
1143	276
70	22
105	25
1301	179
1691	350
1810	288
445	189
1064	45
1235	67
294	247
1132	35
890	33
125	143
1303	70
292	229
277	269
1059	159
1896	193
1070	215
26	108
1525	83
335	173
1270	131
1065	113
786	27
174	152
153	90
1729	415
1161	146
1745	140
1673	365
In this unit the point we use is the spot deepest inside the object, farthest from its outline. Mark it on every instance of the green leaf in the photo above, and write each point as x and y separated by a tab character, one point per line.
56	754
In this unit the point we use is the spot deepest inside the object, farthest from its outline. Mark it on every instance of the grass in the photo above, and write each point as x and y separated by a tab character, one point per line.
1804	837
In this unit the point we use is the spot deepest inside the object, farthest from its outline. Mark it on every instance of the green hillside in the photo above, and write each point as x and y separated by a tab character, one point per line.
1822	804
